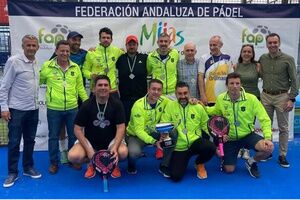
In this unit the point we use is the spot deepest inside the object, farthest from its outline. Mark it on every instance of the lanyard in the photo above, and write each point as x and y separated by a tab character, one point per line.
184	118
131	67
106	70
101	114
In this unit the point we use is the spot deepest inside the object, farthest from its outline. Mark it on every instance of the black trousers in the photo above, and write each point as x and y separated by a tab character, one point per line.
203	148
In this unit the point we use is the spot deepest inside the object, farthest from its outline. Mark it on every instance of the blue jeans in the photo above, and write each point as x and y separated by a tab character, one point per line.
55	119
21	122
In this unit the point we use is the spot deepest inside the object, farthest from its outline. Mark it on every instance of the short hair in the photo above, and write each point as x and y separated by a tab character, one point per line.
163	35
219	37
155	81
106	30
273	35
30	37
240	60
100	77
232	75
62	42
181	84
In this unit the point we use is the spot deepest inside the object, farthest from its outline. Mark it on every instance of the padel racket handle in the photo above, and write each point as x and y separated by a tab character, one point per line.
221	149
105	184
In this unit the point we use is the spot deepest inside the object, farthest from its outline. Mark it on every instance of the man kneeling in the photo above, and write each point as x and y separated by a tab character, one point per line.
99	124
241	108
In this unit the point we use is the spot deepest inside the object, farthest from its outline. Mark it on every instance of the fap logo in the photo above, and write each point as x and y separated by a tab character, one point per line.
57	33
152	33
256	36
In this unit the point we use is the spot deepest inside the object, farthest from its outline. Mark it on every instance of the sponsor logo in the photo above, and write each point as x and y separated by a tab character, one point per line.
256	36
152	33
49	38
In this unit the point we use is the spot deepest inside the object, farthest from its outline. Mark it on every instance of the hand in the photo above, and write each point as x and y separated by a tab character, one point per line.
90	153
163	136
114	153
204	100
158	144
268	146
92	49
225	138
6	115
93	76
289	106
193	101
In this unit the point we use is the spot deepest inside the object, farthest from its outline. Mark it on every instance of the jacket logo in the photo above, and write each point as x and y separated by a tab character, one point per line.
72	73
113	58
243	108
172	60
160	109
226	107
137	115
193	116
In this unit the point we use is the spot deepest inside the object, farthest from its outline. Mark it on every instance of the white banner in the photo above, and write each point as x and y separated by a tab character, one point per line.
235	29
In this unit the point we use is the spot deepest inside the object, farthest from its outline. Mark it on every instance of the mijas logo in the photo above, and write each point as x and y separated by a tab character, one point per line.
48	39
256	36
152	33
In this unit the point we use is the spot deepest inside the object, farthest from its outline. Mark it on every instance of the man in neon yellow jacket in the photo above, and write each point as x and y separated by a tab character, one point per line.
145	114
162	64
241	108
64	85
190	120
102	61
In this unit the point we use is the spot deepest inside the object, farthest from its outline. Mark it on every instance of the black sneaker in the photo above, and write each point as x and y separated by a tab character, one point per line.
267	158
253	169
10	180
283	162
33	173
131	170
164	171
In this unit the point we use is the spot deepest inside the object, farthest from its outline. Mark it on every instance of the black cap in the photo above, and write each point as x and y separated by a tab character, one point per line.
74	34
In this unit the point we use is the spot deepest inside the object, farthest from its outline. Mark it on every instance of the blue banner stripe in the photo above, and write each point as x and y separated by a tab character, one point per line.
118	10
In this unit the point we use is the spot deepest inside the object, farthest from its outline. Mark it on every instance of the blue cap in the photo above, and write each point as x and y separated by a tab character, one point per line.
74	34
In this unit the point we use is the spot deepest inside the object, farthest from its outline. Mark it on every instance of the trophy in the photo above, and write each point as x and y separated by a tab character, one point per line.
164	129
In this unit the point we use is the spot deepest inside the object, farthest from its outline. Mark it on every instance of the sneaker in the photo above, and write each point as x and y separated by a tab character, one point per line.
283	162
33	173
201	172
75	166
240	153
116	173
253	169
246	154
53	169
267	158
159	154
131	170
10	180
164	171
90	171
64	157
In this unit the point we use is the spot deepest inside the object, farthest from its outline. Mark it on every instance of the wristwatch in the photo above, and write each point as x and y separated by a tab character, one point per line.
293	100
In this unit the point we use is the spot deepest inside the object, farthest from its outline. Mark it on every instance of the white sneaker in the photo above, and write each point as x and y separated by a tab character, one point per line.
246	154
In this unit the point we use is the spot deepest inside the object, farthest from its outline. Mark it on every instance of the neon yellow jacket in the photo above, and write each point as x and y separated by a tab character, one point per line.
241	115
192	118
63	88
166	72
143	118
102	61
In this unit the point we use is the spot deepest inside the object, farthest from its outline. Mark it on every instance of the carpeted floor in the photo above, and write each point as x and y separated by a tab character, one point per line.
275	181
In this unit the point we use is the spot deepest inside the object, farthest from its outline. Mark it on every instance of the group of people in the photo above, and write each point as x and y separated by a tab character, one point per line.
123	109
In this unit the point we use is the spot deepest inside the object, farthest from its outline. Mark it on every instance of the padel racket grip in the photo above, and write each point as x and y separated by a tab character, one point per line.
105	184
221	149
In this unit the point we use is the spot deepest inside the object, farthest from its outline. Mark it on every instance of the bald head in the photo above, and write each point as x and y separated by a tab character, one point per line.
190	51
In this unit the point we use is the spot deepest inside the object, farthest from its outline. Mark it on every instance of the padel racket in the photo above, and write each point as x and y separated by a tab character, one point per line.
104	164
218	126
